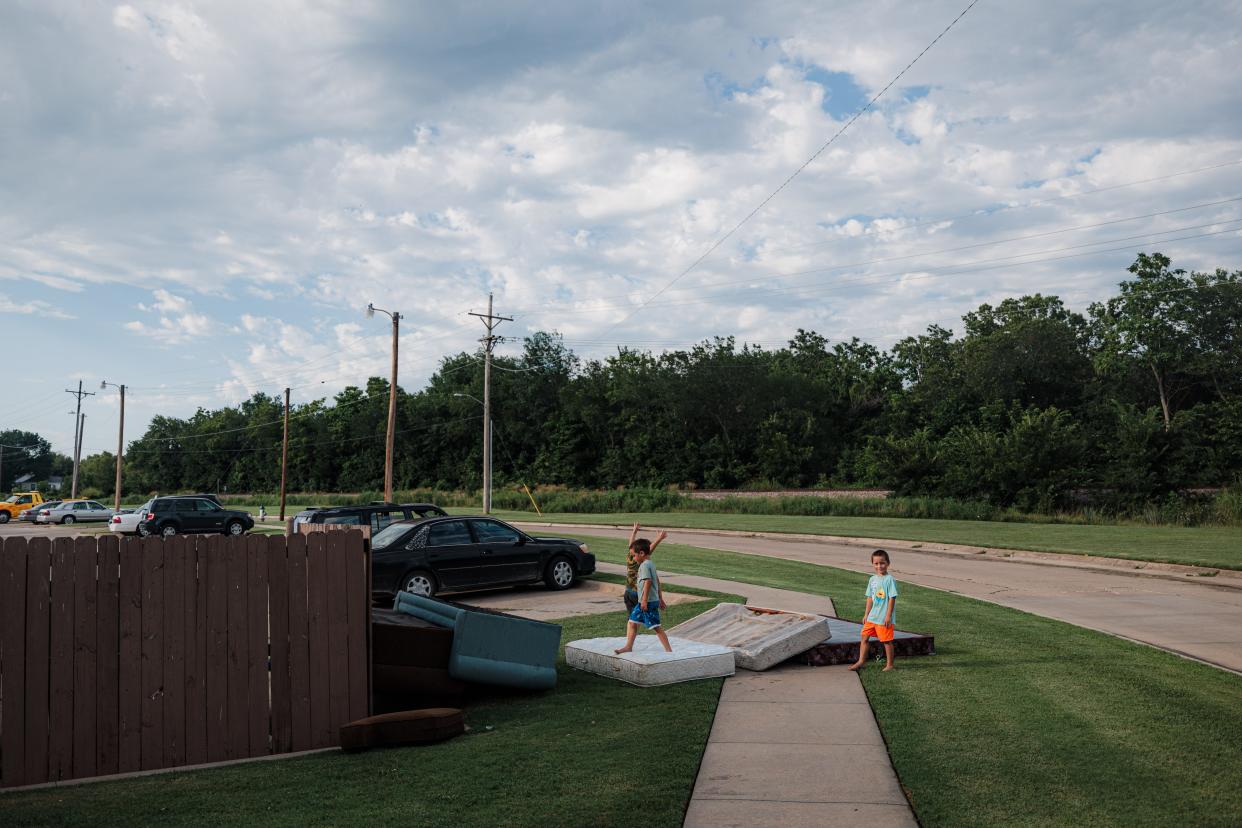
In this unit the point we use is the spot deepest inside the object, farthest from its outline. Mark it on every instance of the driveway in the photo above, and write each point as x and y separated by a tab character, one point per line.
1190	616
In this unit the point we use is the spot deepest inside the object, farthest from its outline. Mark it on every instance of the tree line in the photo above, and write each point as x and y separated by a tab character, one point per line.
1031	405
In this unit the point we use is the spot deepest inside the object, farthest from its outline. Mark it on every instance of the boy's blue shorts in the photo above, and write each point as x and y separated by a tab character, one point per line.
649	617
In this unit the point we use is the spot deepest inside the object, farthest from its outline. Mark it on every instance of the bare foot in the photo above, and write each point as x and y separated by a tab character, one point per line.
668	649
888	669
858	665
623	650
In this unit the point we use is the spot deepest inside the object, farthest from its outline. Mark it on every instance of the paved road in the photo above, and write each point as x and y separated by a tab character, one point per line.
1191	617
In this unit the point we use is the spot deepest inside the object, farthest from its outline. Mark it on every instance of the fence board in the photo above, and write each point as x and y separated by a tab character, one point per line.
38	656
278	604
85	628
238	741
107	656
194	624
257	639
338	637
217	649
129	668
174	649
60	671
299	645
13	659
317	609
358	590
152	654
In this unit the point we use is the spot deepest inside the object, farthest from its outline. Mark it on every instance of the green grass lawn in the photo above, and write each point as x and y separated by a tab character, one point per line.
1201	546
1025	720
582	754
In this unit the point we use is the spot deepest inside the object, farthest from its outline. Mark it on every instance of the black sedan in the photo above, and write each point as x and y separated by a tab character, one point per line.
446	554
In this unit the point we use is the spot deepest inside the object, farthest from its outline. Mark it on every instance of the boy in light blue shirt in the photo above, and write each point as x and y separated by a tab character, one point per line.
881	617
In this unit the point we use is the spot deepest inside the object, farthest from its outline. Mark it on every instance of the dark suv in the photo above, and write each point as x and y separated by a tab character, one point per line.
446	554
188	514
377	514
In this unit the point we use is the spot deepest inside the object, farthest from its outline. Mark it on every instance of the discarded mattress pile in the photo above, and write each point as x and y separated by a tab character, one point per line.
490	647
842	646
707	646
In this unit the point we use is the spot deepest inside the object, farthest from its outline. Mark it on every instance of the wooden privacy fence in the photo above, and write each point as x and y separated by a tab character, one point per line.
125	654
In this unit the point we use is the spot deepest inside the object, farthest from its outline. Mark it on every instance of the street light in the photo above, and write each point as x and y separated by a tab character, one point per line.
392	398
120	443
487	460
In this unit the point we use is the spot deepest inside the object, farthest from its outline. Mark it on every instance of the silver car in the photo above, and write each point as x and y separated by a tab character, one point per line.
76	511
31	515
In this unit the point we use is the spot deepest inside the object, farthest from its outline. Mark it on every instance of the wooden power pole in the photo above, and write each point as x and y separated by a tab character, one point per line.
284	459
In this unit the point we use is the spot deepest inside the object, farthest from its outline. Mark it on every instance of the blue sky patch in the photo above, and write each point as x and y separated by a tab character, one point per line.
842	97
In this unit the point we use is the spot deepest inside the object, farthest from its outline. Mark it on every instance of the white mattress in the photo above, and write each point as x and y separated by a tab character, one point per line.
649	665
760	638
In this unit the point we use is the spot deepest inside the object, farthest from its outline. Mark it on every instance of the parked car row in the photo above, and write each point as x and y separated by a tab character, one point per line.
171	515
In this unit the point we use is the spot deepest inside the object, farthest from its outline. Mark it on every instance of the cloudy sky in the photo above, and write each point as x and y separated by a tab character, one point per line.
199	199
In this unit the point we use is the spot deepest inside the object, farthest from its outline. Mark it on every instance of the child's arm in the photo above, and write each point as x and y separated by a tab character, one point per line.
888	616
659	538
867	611
633	535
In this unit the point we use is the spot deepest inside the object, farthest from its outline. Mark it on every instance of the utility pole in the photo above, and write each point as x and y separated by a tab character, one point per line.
489	342
77	433
284	459
77	452
120	445
392	400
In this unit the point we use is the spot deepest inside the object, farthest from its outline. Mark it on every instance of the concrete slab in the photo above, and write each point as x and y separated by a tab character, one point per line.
541	604
795	723
798	773
718	813
796	684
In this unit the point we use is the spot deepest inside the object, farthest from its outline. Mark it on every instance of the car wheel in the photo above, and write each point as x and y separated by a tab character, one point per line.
67	520
4	517
234	528
168	530
560	573
143	530
419	582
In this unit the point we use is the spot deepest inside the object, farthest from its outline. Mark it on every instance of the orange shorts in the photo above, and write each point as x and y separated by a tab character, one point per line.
881	632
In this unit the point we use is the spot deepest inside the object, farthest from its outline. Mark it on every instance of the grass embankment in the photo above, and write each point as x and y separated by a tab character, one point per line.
1025	720
1201	546
579	755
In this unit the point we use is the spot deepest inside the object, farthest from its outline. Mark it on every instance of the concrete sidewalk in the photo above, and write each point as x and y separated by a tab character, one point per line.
792	746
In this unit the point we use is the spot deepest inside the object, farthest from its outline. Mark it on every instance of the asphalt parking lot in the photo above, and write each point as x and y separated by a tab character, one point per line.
18	528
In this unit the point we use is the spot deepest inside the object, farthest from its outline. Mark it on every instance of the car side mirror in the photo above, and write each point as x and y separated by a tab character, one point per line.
521	541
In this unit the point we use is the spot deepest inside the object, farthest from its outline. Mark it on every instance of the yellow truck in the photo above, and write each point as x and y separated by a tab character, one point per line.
18	503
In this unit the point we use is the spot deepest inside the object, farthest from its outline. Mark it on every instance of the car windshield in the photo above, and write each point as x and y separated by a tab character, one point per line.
389	535
12	499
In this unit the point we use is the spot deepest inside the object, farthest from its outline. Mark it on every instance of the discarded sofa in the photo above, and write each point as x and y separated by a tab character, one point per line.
760	638
410	657
648	665
491	647
408	727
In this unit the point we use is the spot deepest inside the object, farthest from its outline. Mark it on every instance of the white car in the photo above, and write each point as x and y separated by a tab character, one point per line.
126	523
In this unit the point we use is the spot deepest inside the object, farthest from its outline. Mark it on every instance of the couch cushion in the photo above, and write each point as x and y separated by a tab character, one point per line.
407	727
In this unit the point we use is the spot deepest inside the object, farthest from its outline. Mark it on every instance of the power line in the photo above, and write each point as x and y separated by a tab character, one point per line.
798	171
